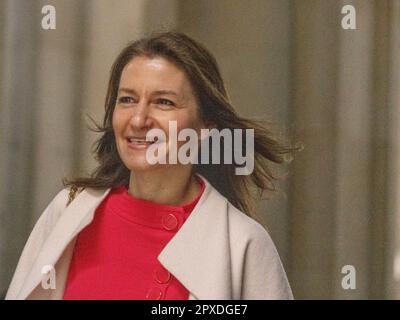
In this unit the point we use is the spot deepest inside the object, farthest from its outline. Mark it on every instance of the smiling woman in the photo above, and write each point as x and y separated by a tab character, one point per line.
139	230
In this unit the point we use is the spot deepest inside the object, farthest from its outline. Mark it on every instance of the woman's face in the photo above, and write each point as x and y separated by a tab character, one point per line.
152	92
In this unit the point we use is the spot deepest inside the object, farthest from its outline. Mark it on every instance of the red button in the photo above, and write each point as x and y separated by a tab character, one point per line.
154	294
162	275
169	221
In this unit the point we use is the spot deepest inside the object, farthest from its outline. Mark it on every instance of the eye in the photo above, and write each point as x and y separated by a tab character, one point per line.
165	102
125	100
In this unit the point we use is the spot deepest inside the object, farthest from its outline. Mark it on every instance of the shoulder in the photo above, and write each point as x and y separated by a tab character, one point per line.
55	208
69	197
60	200
53	212
248	229
263	275
243	229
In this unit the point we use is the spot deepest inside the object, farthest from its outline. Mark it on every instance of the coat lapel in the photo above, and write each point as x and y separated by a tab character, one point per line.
74	218
198	255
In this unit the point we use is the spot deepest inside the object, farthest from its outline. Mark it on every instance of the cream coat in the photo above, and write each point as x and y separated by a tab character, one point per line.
218	253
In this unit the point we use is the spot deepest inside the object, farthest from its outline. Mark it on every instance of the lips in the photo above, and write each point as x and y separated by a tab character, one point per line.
140	142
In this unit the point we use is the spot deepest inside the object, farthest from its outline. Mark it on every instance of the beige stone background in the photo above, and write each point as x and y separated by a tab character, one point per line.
289	62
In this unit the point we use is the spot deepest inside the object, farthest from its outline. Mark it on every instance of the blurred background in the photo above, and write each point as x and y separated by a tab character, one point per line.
290	62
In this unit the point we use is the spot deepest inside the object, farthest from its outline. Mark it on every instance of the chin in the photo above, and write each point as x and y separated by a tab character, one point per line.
139	165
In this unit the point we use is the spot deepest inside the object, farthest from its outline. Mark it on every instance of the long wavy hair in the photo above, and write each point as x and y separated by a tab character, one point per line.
215	107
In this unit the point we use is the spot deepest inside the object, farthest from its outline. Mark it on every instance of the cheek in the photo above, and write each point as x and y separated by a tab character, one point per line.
117	121
188	120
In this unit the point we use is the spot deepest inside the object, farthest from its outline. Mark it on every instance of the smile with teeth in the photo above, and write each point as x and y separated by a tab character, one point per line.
140	141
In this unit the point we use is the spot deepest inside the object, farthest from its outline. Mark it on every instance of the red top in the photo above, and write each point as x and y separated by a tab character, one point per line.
115	256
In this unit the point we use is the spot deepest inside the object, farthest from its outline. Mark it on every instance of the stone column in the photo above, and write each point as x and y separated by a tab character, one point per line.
354	153
343	99
314	50
392	239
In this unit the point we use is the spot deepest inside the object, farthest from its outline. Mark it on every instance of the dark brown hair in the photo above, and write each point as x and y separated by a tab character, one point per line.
215	107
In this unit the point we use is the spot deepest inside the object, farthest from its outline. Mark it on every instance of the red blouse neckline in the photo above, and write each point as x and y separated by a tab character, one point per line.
149	213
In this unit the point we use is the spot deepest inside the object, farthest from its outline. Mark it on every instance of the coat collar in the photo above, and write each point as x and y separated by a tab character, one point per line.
197	255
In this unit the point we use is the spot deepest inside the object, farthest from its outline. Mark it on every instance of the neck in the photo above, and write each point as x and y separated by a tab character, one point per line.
174	185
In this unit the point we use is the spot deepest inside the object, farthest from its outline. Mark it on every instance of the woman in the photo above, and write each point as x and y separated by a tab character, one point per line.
141	230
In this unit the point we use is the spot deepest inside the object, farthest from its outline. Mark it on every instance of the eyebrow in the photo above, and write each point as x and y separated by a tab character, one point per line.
157	92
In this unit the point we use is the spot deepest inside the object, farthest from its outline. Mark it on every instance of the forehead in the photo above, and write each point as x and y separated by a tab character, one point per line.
154	73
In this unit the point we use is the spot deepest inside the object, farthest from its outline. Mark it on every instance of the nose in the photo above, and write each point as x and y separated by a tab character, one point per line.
140	117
